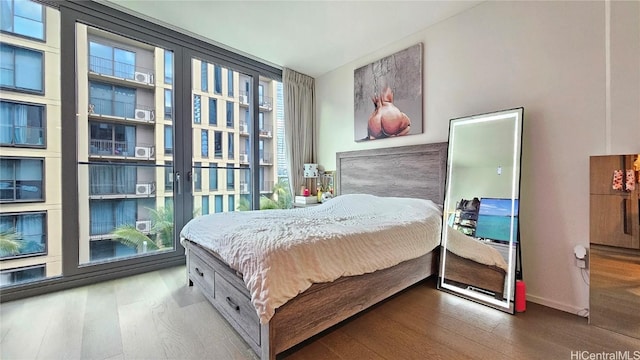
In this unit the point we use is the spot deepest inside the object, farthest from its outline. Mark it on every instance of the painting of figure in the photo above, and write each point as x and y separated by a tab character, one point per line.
388	96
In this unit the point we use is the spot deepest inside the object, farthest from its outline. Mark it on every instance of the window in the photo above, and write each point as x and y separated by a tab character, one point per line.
107	179
22	275
24	18
108	60
21	124
21	180
261	152
112	139
218	79
168	139
24	234
230	82
230	153
230	114
219	203
213	177
197	176
168	176
168	104
213	111
231	202
107	215
230	177
205	143
204	79
205	205
260	95
261	122
196	109
217	144
21	69
107	99
168	67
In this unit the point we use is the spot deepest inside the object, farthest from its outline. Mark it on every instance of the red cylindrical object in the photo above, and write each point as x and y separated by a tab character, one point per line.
521	296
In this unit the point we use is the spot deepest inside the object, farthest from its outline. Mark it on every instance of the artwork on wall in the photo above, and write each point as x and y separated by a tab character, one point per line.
388	96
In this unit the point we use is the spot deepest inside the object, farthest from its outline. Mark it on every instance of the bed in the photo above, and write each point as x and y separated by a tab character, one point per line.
470	262
416	171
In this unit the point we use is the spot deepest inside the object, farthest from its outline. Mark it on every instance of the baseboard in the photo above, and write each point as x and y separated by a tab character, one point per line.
556	305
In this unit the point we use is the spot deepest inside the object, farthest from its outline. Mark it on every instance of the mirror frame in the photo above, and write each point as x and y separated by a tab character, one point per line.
514	264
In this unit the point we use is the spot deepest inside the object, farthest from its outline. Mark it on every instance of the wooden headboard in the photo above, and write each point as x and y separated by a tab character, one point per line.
417	171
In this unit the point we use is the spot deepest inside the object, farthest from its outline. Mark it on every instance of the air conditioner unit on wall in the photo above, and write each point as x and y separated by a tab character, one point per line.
145	114
244	188
244	158
243	128
244	99
143	77
144	189
143	152
143	226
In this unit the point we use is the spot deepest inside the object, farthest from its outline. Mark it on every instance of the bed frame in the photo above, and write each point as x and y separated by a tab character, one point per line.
462	272
408	171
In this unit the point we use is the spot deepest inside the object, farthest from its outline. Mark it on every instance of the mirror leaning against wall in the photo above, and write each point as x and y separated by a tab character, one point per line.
480	235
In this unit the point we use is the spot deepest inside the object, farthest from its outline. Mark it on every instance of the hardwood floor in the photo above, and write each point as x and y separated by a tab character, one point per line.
615	289
156	316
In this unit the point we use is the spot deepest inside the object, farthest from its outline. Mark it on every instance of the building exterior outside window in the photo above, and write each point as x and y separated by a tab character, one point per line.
30	143
23	18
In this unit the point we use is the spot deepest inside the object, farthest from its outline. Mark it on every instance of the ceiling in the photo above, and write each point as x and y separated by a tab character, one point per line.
311	37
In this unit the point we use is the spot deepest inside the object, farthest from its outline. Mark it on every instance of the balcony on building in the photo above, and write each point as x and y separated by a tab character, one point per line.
120	150
121	112
266	158
103	229
266	186
243	98
244	187
120	181
244	128
265	103
266	130
243	157
120	73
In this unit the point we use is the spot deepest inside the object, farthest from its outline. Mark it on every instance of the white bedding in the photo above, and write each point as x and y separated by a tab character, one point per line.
470	248
283	252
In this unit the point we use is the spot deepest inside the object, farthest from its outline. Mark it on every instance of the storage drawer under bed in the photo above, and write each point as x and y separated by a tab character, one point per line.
232	303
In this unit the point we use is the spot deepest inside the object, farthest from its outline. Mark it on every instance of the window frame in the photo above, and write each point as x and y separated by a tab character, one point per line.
43	108
43	180
42	67
23	268
45	234
43	8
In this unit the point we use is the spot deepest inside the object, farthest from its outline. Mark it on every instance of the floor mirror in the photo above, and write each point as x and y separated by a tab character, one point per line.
480	237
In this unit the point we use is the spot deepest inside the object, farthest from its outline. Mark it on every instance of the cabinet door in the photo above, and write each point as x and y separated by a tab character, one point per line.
615	220
601	172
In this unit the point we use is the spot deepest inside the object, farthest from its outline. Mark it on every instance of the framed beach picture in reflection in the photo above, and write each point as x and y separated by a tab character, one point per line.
388	96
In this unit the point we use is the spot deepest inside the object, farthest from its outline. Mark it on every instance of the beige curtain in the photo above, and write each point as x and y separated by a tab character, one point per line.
300	124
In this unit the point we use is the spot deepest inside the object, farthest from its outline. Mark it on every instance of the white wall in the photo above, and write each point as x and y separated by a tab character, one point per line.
577	74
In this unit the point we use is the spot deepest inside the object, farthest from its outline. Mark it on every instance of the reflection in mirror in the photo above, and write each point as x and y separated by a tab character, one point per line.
480	231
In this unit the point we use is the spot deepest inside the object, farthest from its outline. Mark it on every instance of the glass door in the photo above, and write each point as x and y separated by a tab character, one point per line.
221	124
125	136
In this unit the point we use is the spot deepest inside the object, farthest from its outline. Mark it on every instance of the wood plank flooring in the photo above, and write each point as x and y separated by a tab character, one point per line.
614	295
156	316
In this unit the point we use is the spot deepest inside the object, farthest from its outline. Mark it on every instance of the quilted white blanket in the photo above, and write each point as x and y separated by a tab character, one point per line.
470	248
281	253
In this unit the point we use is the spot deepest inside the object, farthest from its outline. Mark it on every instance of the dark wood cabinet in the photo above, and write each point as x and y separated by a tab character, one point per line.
614	214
